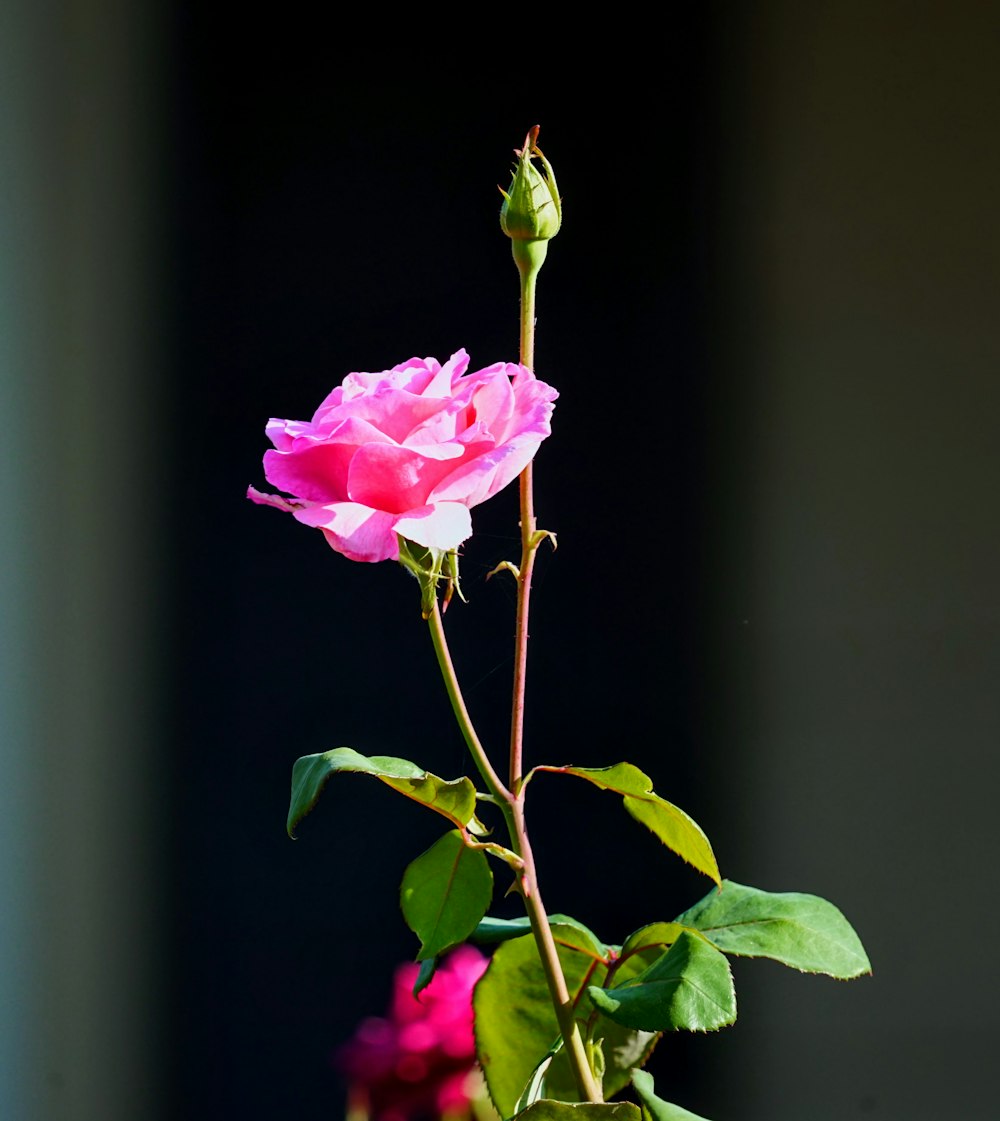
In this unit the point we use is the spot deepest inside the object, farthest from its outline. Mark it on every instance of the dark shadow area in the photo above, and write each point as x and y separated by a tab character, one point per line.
336	209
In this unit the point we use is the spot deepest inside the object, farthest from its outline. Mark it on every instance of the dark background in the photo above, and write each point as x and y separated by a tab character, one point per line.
771	316
340	212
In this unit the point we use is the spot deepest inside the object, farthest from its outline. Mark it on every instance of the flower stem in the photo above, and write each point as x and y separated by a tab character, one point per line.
478	752
527	883
528	267
529	257
587	1085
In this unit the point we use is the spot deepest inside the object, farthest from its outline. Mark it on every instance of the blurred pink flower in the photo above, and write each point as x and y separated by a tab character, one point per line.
407	451
419	1063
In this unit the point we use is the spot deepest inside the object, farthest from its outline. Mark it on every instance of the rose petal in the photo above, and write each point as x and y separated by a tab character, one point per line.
394	412
407	450
393	478
445	525
317	473
481	478
275	500
357	531
448	375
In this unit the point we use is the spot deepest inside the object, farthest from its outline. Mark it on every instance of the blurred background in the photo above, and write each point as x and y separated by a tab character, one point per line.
771	314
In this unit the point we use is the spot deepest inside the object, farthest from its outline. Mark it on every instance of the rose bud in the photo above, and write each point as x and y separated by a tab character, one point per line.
531	209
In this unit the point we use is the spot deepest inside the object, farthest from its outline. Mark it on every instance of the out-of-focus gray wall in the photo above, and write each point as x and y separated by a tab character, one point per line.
854	561
79	575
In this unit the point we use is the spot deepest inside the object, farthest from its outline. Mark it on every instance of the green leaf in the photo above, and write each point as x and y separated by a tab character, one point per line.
671	824
515	1023
690	986
425	975
654	1108
490	930
445	892
802	931
455	799
516	1027
623	1048
580	1111
535	1089
656	934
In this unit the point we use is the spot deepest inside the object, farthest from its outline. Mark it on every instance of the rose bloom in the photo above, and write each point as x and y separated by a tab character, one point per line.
419	1063
407	451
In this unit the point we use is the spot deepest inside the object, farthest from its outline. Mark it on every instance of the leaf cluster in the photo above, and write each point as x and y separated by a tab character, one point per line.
666	976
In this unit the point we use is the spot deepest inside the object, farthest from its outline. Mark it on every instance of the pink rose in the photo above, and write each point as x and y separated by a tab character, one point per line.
407	451
420	1061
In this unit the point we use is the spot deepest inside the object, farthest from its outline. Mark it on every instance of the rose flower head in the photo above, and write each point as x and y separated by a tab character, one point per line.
419	1062
407	452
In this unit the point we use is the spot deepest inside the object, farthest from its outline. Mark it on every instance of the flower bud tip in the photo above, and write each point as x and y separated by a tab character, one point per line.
532	209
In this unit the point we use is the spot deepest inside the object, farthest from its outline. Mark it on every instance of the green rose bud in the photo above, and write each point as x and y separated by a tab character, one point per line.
531	208
531	211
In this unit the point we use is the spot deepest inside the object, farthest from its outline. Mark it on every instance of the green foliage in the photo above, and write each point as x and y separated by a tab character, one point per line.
654	1108
620	1048
802	931
671	824
491	931
690	986
580	1111
516	1026
455	799
662	934
445	892
428	967
515	1022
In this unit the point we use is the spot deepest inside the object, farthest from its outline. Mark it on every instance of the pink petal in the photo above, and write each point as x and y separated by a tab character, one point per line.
317	473
276	500
450	372
393	478
357	531
392	412
494	404
445	525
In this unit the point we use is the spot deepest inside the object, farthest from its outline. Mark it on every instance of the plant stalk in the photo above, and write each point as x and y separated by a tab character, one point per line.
493	781
529	257
528	268
527	883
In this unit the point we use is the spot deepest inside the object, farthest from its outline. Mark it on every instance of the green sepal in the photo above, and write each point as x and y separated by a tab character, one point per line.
425	974
454	799
532	209
654	1108
430	566
676	829
546	1110
802	931
444	894
689	987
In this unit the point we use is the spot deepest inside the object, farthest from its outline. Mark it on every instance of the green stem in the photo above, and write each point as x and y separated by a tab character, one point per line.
527	883
490	777
587	1085
528	264
529	256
